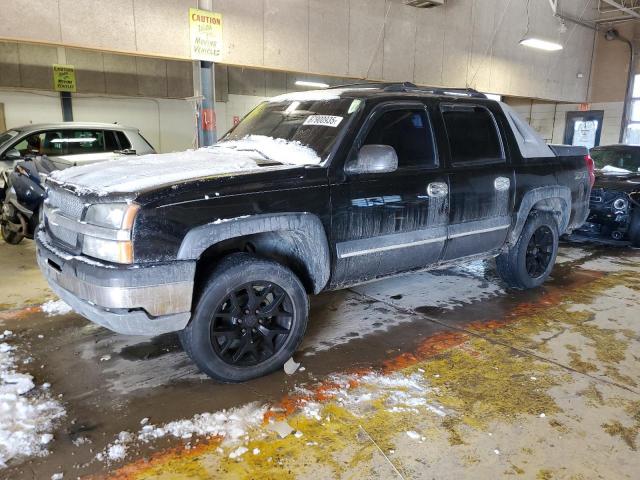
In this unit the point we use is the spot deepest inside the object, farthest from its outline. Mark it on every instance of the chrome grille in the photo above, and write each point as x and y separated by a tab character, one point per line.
62	234
68	204
71	207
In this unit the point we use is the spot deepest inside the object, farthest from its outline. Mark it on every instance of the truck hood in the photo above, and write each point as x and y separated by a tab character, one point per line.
137	174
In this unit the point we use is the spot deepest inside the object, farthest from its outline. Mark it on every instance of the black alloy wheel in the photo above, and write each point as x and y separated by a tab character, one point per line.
250	316
251	324
539	252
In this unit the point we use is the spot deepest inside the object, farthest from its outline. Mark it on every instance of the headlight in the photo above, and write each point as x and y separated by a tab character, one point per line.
109	250
112	215
109	237
620	204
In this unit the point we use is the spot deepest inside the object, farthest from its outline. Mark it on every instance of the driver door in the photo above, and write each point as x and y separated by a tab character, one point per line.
386	223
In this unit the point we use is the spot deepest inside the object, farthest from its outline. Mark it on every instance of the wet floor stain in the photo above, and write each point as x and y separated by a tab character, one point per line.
471	380
511	385
156	347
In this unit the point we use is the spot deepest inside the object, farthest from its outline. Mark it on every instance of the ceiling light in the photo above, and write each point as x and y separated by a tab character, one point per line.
304	83
540	44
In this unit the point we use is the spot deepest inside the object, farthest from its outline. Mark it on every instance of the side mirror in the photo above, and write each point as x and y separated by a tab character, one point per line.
12	154
373	159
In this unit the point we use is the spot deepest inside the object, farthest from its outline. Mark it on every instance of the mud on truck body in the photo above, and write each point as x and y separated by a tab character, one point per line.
310	192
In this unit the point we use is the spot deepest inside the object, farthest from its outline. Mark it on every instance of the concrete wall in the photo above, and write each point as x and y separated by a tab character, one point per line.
168	124
467	42
24	65
611	66
549	118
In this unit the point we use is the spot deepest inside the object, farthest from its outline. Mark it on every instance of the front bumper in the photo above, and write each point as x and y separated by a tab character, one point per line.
134	300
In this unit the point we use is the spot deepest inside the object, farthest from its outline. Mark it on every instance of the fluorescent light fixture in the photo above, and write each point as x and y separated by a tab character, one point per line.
540	44
304	83
493	96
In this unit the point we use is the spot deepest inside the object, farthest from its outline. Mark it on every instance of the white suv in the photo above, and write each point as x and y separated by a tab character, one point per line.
71	143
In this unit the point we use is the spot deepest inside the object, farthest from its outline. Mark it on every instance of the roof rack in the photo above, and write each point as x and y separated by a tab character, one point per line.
411	87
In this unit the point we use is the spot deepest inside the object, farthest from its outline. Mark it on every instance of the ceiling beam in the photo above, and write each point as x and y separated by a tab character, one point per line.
615	4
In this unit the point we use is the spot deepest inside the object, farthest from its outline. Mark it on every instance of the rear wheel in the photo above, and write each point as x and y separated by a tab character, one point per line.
249	320
530	261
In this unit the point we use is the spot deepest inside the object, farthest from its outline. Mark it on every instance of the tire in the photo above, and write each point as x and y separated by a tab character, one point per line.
13	238
525	265
222	328
634	228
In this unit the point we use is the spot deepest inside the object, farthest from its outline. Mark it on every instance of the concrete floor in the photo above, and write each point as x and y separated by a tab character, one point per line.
432	375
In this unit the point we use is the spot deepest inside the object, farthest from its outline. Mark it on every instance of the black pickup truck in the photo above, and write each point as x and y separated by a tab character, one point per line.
312	191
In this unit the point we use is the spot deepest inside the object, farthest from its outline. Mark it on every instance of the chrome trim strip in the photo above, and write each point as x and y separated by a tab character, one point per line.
391	247
156	300
484	230
54	216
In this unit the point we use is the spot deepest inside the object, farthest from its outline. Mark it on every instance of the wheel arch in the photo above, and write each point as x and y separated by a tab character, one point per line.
555	199
297	240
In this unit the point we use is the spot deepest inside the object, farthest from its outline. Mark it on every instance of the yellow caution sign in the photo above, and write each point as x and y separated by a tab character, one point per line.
64	78
205	29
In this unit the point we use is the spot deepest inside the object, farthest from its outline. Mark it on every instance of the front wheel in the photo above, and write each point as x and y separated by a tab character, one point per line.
529	262
249	320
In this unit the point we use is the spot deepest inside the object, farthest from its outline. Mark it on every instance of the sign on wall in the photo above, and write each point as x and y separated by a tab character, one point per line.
205	29
64	78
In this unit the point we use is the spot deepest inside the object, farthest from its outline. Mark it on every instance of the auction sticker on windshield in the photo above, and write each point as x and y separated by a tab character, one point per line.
323	120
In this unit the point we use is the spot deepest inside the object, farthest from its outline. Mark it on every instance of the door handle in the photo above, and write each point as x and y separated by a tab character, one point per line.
502	183
437	189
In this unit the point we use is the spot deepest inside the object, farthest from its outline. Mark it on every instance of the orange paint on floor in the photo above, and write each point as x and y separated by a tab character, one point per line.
19	313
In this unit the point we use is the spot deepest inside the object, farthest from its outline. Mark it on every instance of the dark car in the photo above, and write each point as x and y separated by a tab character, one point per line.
312	191
615	199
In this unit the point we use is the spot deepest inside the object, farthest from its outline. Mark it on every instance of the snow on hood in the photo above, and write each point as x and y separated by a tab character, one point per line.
134	174
278	149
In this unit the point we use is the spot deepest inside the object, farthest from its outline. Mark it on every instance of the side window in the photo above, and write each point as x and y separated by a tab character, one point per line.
409	133
77	142
125	144
473	134
52	145
30	145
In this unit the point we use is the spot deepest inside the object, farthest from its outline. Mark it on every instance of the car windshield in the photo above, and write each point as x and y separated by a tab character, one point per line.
6	136
293	129
616	160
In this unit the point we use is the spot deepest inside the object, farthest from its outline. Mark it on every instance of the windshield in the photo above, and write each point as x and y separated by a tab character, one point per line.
305	123
6	136
617	160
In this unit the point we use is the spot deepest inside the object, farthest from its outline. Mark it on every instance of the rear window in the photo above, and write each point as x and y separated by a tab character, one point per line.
473	134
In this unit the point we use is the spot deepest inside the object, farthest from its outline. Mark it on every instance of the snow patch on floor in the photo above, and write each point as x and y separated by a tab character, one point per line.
231	425
398	393
27	413
55	307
